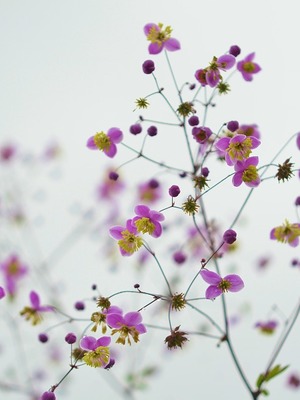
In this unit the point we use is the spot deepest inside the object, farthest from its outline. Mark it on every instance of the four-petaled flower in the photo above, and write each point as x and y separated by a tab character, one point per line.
106	141
218	285
97	351
246	171
13	269
211	75
127	237
237	148
160	38
287	233
127	325
34	312
148	221
247	67
267	327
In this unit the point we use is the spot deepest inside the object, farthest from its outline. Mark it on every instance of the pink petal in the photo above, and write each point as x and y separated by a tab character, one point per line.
141	328
133	318
148	27
210	276
142	211
34	299
222	143
91	143
155	48
172	44
157	216
115	320
111	151
103	341
88	343
2	292
115	232
157	230
212	292
115	134
237	283
237	179
272	234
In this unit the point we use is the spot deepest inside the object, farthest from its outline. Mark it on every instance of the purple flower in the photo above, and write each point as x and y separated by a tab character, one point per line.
106	142
249	130
247	67
246	172
13	270
34	312
267	327
237	148
148	67
129	324
286	233
160	38
150	191
201	134
211	75
218	285
127	237
97	351
229	236
148	221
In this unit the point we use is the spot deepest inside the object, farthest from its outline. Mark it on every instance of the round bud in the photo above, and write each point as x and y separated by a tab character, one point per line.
136	286
234	50
204	172
94	286
70	338
79	305
229	236
192	86
152	130
48	396
153	184
179	257
174	191
113	176
135	129
148	67
43	337
232	126
193	120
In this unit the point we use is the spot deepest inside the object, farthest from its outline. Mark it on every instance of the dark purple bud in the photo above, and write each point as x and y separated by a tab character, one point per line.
182	174
148	67
43	337
234	50
94	286
135	129
136	286
79	305
232	126
110	364
48	396
192	86
153	183
70	338
297	201
152	130
204	172
295	262
229	236
113	176
179	257
174	191
193	120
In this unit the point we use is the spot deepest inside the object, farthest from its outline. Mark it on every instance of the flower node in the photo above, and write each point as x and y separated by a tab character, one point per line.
178	302
142	103
190	206
176	339
99	319
285	171
223	88
103	302
200	182
185	109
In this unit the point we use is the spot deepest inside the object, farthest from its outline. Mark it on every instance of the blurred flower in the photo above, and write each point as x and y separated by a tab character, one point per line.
293	381
248	68
34	312
2	292
246	171
286	233
13	270
267	327
150	191
218	285
148	221
160	38
106	142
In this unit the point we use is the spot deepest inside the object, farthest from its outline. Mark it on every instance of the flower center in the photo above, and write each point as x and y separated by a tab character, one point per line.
287	232
124	333
249	67
130	242
159	36
240	150
13	268
102	141
144	225
98	357
224	285
250	174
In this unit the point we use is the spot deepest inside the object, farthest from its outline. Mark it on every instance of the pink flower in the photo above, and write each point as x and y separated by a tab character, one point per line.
211	75
106	142
34	311
148	221
97	351
160	38
13	270
218	285
129	324
249	130
246	172
247	67
127	237
286	233
267	327
150	191
239	147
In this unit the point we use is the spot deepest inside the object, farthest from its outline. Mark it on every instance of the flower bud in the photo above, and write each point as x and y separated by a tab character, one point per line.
229	236
193	120
174	191
70	338
48	396
43	337
152	130
135	129
232	126
79	305
234	50
113	176
148	67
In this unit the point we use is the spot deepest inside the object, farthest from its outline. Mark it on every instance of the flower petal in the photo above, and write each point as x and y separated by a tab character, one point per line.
172	44
115	134
34	299
154	48
212	292
111	151
115	232
236	282
103	341
133	318
91	143
88	343
142	211
210	276
115	320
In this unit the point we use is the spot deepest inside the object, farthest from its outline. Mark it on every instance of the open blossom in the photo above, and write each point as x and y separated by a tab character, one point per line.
218	285
128	325
148	221
106	142
247	67
97	351
160	38
286	233
34	312
13	270
267	327
239	147
211	75
246	172
249	130
128	239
